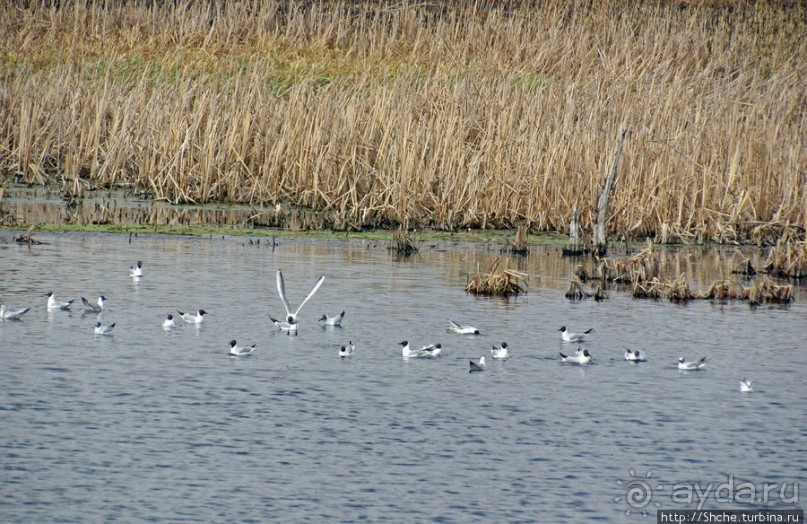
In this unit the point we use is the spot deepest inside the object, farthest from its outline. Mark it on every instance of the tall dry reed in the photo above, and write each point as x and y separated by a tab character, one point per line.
446	115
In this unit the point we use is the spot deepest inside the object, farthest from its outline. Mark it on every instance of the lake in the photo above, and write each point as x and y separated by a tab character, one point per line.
149	425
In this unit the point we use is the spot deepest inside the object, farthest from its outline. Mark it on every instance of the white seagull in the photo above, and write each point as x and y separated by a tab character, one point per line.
190	318
347	351
291	327
684	365
332	321
581	357
431	350
136	271
291	318
406	351
478	365
634	356
462	330
94	308
566	336
745	386
169	323
55	304
240	351
104	330
499	353
12	314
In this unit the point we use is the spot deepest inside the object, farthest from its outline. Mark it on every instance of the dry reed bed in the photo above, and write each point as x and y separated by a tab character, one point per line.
441	114
497	282
787	260
643	273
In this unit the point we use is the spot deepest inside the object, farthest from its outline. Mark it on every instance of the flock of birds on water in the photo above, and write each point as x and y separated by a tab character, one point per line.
290	324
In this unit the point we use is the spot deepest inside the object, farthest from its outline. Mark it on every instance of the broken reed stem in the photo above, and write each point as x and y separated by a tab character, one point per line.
504	283
402	242
600	239
787	260
577	290
520	245
643	272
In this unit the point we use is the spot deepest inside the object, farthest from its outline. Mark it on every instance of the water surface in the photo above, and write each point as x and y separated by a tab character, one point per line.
149	425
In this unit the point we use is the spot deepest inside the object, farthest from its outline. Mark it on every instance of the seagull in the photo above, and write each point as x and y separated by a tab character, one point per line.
574	337
462	330
12	314
634	356
291	318
581	357
332	321
103	330
432	350
347	351
136	271
169	323
683	365
406	351
240	351
55	304
291	327
190	318
478	365
94	308
745	386
499	353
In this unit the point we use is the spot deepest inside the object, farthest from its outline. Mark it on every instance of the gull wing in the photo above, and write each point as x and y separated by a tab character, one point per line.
90	306
311	294
12	314
281	290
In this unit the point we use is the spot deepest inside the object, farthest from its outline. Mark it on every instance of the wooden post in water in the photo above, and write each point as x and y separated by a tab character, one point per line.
574	230
575	247
601	209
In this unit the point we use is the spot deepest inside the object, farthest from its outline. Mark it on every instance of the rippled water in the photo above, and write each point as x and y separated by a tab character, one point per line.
149	425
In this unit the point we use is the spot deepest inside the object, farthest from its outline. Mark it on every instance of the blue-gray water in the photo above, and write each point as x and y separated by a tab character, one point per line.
153	426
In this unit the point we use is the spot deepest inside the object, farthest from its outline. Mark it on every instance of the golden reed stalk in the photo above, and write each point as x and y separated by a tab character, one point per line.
447	115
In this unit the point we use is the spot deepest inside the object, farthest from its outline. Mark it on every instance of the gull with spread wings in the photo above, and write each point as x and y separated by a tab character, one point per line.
290	323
